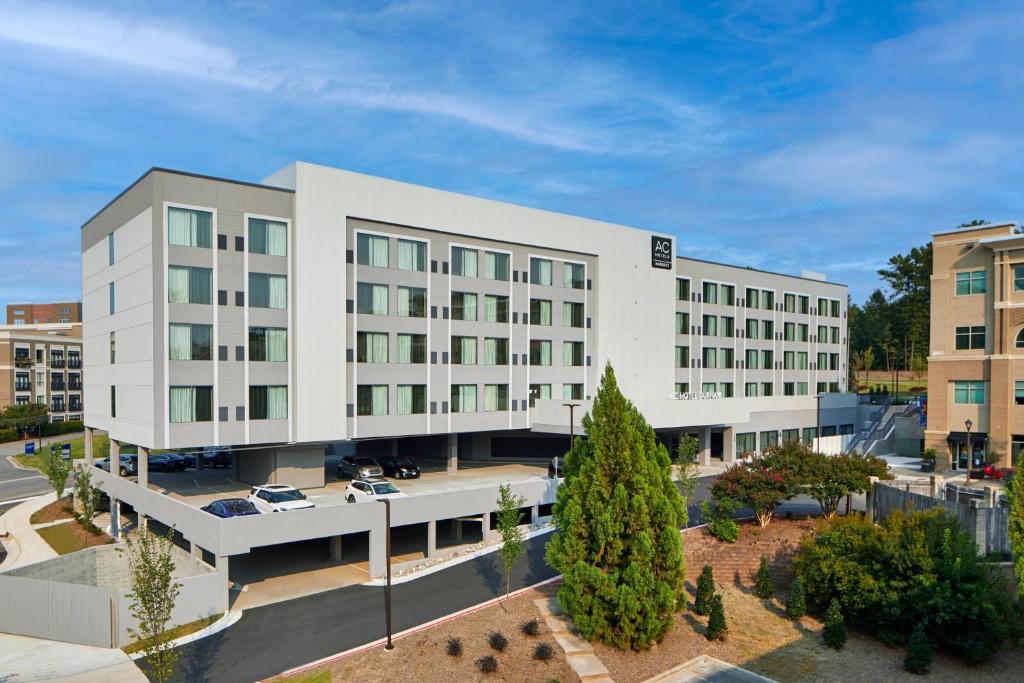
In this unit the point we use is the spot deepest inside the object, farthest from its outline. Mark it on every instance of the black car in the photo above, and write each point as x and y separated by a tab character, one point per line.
230	507
209	459
399	467
556	468
358	467
166	462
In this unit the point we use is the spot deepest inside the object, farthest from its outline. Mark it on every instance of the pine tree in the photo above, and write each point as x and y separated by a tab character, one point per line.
835	627
705	591
1015	497
764	587
618	516
717	628
796	602
919	652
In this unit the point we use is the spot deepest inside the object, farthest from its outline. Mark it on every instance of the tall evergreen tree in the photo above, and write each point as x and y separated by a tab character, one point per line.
1015	496
618	516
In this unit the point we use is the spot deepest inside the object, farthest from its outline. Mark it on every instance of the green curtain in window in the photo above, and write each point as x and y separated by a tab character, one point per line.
545	353
404	301
468	348
411	255
404	348
490	351
373	250
567	354
491	398
183	404
277	403
566	392
189	228
469	306
177	285
179	339
404	406
464	262
545	313
200	285
379	399
467	398
490	309
277	344
376	347
278	285
277	238
380	299
545	391
490	264
541	272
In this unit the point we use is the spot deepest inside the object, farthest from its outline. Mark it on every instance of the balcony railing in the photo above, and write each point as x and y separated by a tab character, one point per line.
75	363
22	362
57	386
74	386
23	386
57	363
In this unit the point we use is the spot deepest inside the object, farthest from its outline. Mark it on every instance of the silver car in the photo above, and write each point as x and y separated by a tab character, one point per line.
357	467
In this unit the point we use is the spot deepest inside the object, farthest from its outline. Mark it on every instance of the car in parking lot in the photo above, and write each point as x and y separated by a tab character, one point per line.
165	462
209	458
399	467
371	488
127	465
556	468
231	507
278	498
358	467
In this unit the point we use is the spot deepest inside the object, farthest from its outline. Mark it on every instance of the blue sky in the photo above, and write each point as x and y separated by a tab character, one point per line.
795	135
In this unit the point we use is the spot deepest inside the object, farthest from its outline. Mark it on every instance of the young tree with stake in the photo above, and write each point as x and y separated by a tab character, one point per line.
512	546
153	593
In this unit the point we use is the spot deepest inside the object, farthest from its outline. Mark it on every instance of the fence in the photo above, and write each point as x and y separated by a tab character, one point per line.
69	612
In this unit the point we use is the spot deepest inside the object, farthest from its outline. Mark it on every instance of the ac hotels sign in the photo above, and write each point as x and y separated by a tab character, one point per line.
661	252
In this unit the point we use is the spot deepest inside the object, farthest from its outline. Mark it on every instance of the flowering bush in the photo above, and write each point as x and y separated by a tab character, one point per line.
755	486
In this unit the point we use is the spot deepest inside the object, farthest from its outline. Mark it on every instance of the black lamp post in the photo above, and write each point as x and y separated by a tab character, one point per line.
968	423
572	422
387	554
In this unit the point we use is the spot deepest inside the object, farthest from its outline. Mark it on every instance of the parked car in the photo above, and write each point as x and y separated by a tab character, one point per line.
371	488
556	468
278	498
354	467
231	507
127	465
210	458
399	467
165	462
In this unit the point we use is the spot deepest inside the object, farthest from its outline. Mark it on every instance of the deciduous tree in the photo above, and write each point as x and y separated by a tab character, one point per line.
153	592
508	520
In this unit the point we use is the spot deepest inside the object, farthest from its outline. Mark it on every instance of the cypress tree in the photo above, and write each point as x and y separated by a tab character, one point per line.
919	652
835	627
717	628
705	591
1015	497
796	601
618	516
764	587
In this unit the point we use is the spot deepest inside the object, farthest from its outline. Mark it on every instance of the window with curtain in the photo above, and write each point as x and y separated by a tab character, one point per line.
968	392
801	360
745	443
371	299
540	271
753	327
682	388
767	359
728	327
789	331
496	266
822	306
463	398
412	302
572	275
768	299
682	356
495	308
572	354
970	283
412	348
682	289
750	389
464	262
835	308
189	285
802	332
767	329
710	357
495	397
464	350
753	297
804	304
189	342
789	301
767	388
710	326
751	360
572	314
789	389
268	344
268	237
682	323
372	399
572	392
728	295
834	334
540	312
268	291
189	227
801	388
191	404
726	358
539	391
769	439
495	351
371	250
411	399
822	361
463	306
710	292
268	403
371	347
412	255
540	352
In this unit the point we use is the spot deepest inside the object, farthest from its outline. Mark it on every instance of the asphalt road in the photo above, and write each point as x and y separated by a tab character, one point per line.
16	483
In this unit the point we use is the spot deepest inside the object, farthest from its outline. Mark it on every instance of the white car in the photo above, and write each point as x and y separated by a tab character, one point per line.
371	488
278	498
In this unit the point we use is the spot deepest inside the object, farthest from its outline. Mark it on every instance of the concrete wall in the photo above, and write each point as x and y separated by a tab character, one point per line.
908	436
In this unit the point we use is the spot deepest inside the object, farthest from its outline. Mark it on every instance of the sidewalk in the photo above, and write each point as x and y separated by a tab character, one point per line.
26	659
23	544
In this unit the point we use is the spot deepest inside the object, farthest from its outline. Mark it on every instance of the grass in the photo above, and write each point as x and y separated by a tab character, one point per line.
100	450
174	633
71	537
321	677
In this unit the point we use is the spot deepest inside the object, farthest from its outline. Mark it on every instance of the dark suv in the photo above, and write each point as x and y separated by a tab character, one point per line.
355	467
399	467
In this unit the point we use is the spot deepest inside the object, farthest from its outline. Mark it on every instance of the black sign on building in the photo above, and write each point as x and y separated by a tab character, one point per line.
661	252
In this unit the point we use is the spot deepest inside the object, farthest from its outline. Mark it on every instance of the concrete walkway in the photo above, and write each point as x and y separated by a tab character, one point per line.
23	544
706	669
24	659
578	652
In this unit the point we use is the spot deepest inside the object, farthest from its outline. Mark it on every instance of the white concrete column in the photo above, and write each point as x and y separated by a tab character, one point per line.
534	514
431	538
453	453
115	518
143	521
336	549
115	457
221	564
729	446
869	499
143	466
456	532
378	554
485	528
195	551
89	458
935	486
705	446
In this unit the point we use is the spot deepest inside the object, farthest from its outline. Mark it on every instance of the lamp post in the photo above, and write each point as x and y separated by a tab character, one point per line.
968	423
387	556
572	422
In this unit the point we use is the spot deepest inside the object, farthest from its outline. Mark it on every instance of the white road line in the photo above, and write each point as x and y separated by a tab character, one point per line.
9	481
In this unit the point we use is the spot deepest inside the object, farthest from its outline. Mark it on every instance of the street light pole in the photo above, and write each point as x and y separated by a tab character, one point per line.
968	423
572	422
387	553
817	428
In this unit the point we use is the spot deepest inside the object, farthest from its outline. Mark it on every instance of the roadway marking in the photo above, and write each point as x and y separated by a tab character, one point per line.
11	481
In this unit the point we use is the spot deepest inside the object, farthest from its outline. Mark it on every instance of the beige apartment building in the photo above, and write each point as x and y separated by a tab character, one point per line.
42	364
976	364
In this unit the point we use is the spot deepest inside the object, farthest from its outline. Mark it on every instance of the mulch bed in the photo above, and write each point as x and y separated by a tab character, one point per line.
57	510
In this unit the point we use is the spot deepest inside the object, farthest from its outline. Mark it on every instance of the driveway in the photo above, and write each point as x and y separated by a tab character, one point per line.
16	482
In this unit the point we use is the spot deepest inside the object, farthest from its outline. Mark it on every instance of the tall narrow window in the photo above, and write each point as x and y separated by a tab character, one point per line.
495	266
268	344
728	295
412	348
110	249
464	350
1018	278
412	255
790	303
268	403
495	351
753	298
753	327
463	398
751	359
495	308
268	237
191	404
540	352
372	250
411	399
464	262
111	297
113	347
113	401
804	304
540	271
768	299
463	306
268	291
572	314
412	301
189	285
189	227
371	347
682	323
372	399
682	356
371	299
572	353
711	292
190	342
710	357
540	312
682	289
710	325
767	329
495	397
572	275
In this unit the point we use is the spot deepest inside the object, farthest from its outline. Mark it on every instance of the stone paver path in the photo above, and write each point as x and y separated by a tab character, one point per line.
578	652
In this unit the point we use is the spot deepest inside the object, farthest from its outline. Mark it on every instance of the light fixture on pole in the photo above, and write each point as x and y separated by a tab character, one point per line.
968	423
387	557
572	422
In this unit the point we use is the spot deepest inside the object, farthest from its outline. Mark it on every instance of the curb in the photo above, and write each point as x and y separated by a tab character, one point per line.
226	621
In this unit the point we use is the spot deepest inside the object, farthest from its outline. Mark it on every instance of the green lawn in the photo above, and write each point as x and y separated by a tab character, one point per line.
100	445
71	536
322	677
174	633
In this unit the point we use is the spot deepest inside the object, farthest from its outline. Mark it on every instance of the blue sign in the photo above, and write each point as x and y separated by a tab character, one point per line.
65	451
30	448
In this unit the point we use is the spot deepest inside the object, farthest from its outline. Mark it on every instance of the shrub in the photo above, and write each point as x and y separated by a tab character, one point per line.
453	647
760	484
8	434
543	652
705	591
717	628
720	523
764	587
919	652
487	664
497	641
796	605
531	627
835	627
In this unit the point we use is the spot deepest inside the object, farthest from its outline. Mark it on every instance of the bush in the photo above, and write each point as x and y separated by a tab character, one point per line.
835	627
717	628
919	652
497	641
796	604
530	627
543	652
66	427
705	591
760	484
720	523
764	587
453	647
487	664
7	434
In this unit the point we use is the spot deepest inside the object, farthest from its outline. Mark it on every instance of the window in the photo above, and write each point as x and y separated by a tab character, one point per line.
572	314
753	297
728	326
767	359
412	302
372	399
834	334
682	388
789	303
540	312
412	255
190	342
804	304
113	348
540	352
189	227
750	389
189	285
1018	278
969	393
21	382
412	348
767	329
790	436
572	275
710	327
371	347
572	354
371	250
1019	343
835	308
833	361
57	404
710	357
495	308
809	434
412	399
268	291
769	439
682	356
541	391
789	331
495	266
751	359
268	403
495	397
464	350
110	249
972	337
767	389
464	262
752	328
726	358
682	289
1018	393
821	388
495	351
463	306
788	360
802	330
711	292
972	282
271	238
768	299
268	344
572	392
111	298
822	306
727	389
822	334
540	271
682	323
801	388
789	388
728	295
371	299
746	443
190	404
463	398
709	388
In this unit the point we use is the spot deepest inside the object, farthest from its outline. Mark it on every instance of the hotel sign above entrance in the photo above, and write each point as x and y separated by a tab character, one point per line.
696	395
